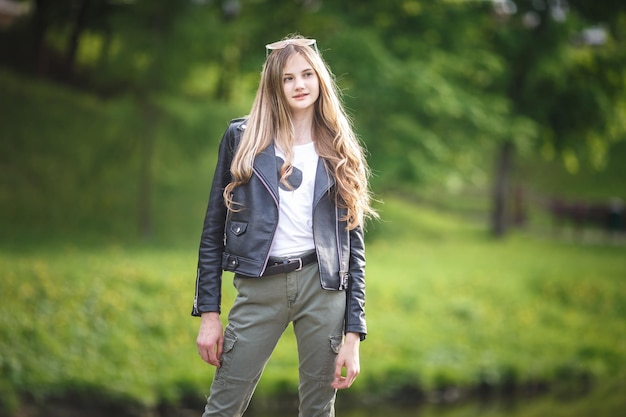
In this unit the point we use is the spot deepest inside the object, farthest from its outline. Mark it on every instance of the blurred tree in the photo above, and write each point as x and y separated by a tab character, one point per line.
47	43
136	48
418	81
568	83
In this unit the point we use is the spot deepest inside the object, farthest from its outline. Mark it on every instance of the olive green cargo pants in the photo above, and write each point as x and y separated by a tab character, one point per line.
261	312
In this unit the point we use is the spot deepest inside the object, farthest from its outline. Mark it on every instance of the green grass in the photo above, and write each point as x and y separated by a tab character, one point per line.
467	309
447	306
111	319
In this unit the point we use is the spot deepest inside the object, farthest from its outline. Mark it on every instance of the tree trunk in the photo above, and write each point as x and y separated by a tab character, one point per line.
146	230
40	23
504	162
74	39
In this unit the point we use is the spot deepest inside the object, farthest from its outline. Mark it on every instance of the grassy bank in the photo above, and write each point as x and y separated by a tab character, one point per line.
447	307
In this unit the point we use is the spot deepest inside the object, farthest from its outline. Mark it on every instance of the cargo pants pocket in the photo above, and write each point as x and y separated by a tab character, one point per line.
230	340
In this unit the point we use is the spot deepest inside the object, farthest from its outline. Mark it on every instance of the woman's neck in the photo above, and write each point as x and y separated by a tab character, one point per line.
302	128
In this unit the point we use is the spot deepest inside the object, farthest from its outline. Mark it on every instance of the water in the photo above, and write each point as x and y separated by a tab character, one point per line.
606	401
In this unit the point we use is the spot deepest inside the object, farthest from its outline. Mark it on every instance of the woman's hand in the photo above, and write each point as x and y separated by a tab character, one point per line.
210	339
348	359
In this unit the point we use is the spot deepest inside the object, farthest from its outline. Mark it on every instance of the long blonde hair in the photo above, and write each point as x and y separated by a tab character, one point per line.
335	141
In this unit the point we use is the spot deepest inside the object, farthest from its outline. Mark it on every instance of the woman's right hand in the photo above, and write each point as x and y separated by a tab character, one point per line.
210	339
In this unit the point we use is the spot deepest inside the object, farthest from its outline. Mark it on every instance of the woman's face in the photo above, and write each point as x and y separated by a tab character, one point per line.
300	84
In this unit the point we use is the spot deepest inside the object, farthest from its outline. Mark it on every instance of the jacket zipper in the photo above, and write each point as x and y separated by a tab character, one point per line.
342	273
337	237
195	298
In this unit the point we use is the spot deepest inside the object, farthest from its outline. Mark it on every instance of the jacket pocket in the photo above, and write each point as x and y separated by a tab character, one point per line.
335	343
237	228
229	262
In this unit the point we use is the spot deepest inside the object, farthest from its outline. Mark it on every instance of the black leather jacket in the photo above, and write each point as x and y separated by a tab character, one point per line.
240	241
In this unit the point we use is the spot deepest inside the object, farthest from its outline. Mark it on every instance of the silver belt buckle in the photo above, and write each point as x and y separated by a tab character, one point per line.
299	261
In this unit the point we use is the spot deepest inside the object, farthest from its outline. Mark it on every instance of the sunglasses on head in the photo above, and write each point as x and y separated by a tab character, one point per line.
298	41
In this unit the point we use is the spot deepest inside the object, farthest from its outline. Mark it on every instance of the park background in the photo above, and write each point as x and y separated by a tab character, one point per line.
495	133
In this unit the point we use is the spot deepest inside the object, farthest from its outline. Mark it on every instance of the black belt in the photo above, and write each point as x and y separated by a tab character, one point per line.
284	266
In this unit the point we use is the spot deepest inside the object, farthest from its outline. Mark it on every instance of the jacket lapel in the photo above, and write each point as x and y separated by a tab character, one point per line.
323	181
265	167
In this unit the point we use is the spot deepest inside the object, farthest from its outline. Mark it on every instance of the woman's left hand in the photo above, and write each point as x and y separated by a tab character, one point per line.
348	359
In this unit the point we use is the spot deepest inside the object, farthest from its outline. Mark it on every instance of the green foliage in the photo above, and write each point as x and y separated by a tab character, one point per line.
433	86
572	91
437	113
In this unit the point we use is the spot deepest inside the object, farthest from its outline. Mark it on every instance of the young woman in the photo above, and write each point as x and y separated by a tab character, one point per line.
285	214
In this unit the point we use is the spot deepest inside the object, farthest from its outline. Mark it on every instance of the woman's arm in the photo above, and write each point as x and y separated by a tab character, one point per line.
355	302
209	274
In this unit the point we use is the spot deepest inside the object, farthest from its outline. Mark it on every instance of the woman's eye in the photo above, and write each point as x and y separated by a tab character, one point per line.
287	79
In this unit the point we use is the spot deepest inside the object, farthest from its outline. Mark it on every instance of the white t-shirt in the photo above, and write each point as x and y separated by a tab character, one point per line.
294	233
